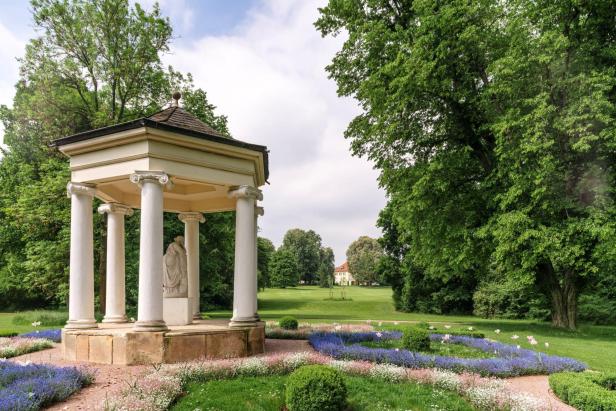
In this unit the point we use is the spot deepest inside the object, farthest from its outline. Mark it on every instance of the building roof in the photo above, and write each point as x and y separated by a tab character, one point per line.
344	268
174	119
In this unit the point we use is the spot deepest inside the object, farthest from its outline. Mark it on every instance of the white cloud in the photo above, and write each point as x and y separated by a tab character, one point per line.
268	76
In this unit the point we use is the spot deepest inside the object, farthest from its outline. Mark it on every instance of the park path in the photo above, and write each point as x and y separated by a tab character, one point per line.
110	379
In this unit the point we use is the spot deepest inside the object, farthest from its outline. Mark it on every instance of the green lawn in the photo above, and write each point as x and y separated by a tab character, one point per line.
596	345
267	394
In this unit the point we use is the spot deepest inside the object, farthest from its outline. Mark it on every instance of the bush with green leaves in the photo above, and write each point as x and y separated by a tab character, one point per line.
588	391
416	339
316	388
288	323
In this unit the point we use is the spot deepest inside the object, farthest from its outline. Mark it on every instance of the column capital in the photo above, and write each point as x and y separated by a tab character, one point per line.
259	211
80	189
191	216
245	192
162	178
115	208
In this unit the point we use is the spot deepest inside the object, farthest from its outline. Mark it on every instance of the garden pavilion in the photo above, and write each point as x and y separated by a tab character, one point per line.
167	162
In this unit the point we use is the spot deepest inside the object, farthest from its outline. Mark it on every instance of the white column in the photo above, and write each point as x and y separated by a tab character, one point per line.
150	302
115	305
245	269
191	242
259	211
81	277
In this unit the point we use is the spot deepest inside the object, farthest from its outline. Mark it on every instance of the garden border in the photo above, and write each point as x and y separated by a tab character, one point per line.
510	361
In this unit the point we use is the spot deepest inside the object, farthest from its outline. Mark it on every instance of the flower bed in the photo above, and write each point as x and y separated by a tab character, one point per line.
54	335
508	360
586	391
32	386
12	347
159	389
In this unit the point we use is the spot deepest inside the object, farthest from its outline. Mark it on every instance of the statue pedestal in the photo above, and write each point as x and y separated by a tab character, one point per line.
177	311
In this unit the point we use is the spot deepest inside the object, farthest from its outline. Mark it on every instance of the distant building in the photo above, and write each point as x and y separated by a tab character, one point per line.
342	275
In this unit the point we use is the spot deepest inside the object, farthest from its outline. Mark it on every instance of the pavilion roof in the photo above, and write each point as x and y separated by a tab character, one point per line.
173	119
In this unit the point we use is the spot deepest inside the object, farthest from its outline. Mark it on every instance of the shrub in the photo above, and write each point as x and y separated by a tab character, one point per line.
288	323
423	325
416	339
585	391
316	388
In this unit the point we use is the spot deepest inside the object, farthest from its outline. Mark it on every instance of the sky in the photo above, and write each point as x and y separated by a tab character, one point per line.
262	64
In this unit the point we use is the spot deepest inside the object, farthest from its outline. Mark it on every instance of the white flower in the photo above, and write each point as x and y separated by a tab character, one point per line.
517	346
448	326
132	319
36	323
470	328
530	337
515	337
380	323
396	323
2	359
446	337
368	321
338	327
547	345
397	349
431	327
497	331
533	342
379	334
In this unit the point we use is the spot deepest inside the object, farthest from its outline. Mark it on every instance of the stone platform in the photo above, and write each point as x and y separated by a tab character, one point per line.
203	339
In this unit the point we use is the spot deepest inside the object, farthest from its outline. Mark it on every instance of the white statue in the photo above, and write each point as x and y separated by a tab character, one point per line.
175	272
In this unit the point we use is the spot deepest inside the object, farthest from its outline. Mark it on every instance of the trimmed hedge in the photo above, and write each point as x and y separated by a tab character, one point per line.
588	391
416	339
288	323
316	388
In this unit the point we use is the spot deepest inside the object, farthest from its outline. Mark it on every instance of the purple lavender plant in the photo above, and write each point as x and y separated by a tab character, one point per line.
33	386
508	360
54	335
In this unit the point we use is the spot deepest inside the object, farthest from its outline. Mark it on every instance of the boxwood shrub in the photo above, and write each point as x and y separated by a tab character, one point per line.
416	339
588	391
316	388
288	323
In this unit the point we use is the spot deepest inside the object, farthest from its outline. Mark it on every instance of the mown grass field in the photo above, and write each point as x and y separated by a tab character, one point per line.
596	345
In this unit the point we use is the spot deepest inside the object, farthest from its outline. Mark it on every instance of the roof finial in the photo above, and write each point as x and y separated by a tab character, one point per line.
176	98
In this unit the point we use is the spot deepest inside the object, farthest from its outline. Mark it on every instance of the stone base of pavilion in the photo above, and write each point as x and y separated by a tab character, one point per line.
203	339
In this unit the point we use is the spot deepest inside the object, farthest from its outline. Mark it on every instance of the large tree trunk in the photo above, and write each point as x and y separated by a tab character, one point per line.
563	295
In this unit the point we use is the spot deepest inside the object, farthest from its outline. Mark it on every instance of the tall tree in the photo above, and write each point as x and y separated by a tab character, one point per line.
493	126
93	64
284	269
363	256
265	250
305	245
326	266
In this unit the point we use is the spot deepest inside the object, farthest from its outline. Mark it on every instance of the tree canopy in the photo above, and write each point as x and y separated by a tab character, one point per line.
93	63
363	256
493	126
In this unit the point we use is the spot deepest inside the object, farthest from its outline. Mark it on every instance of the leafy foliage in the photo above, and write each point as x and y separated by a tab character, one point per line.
265	250
283	269
306	246
94	64
585	391
416	339
288	323
316	388
363	256
327	266
493	126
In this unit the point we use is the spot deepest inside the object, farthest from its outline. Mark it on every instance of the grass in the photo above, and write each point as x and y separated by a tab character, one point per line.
436	348
267	394
595	345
